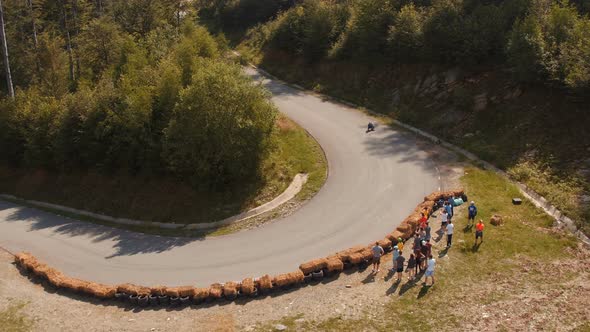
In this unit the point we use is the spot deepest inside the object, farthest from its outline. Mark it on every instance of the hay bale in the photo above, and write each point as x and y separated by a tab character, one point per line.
406	230
21	257
313	265
435	196
215	291
42	270
356	258
185	291
334	264
173	291
386	244
265	283
103	291
413	220
359	257
89	288
282	280
395	235
344	255
496	220
248	286
426	205
230	290
298	276
73	284
158	290
55	278
30	262
129	289
200	294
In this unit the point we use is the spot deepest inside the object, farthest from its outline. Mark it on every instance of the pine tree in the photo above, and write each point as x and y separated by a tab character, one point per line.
5	53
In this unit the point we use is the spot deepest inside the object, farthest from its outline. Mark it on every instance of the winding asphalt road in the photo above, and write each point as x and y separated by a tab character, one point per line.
375	181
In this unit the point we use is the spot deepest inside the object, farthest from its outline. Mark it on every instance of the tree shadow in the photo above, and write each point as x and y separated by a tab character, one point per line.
391	141
126	243
276	87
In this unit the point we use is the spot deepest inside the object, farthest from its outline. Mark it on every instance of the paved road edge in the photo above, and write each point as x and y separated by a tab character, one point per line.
294	188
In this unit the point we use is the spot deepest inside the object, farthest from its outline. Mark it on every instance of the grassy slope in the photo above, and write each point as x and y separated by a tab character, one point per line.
12	321
511	272
539	135
168	200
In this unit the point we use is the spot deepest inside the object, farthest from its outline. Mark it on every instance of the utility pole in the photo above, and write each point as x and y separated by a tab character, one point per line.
5	53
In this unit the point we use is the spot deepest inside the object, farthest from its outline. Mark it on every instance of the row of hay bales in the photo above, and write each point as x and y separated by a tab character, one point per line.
248	287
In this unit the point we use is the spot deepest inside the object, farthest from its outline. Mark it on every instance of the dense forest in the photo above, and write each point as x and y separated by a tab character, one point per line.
540	40
134	87
508	80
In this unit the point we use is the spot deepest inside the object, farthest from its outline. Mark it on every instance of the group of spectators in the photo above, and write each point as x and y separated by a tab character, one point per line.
421	258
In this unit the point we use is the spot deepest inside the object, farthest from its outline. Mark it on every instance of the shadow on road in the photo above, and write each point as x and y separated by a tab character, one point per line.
126	243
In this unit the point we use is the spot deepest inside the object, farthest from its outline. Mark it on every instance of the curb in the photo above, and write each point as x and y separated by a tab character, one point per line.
539	201
294	188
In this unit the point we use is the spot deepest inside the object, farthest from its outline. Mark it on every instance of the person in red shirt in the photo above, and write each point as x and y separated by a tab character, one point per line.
479	231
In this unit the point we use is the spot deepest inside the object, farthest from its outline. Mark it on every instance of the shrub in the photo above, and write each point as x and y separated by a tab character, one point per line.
220	128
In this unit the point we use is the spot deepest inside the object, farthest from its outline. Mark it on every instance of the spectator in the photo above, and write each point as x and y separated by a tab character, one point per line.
424	212
449	209
430	270
400	244
427	231
423	222
450	229
411	269
419	261
479	231
417	240
424	252
395	256
428	246
377	253
451	202
400	266
444	217
472	213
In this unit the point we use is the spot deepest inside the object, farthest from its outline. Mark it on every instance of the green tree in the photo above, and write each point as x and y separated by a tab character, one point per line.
367	29
101	44
526	49
444	33
406	37
220	128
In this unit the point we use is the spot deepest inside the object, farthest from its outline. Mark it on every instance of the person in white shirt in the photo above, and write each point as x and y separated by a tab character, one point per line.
450	229
444	219
430	270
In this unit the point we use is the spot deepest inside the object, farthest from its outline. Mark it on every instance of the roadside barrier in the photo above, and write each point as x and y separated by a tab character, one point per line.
177	296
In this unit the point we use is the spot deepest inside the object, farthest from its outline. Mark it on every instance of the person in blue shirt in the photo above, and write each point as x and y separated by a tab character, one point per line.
451	201
472	213
449	209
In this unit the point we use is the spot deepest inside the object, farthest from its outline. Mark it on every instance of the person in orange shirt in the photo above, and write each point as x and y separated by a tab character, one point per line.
479	231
